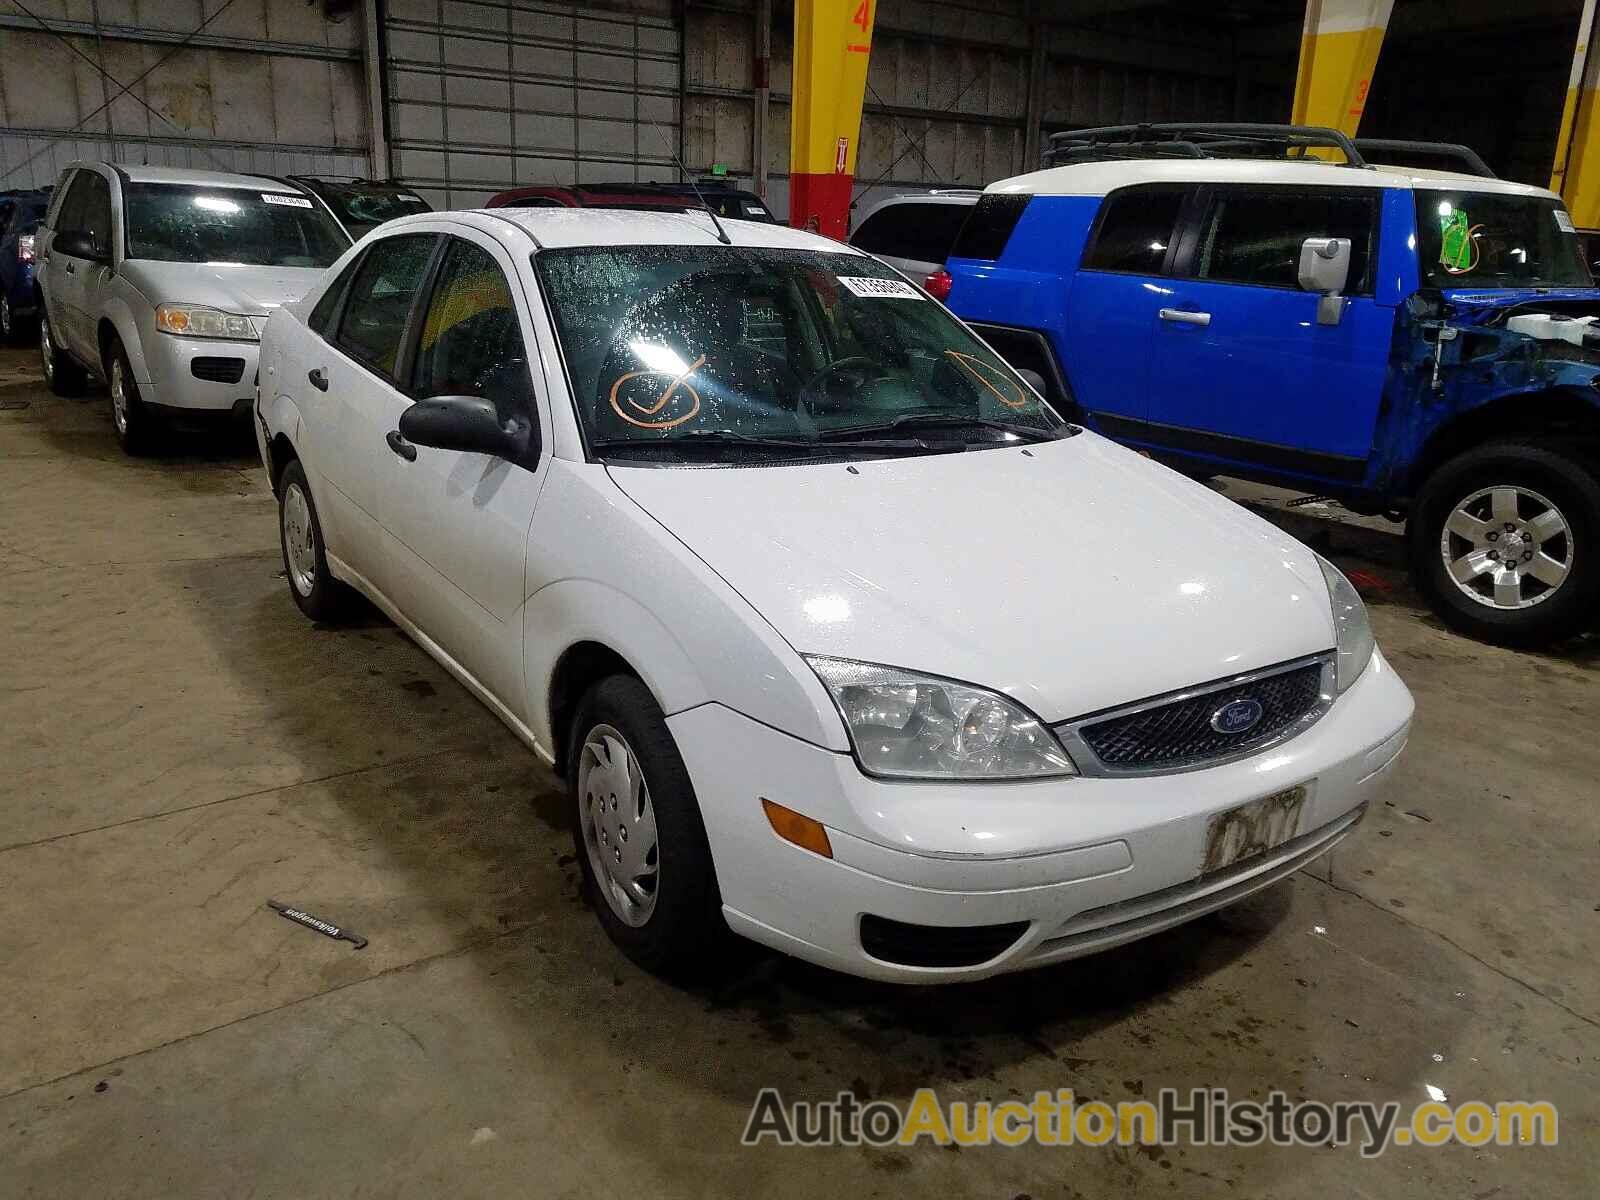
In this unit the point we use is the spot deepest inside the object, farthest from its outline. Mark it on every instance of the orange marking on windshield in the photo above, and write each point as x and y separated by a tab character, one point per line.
680	380
976	367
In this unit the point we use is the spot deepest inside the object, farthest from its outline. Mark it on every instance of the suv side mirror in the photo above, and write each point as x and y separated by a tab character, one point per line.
1325	268
80	243
468	423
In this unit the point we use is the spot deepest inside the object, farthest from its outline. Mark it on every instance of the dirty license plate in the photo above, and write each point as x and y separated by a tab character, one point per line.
1253	828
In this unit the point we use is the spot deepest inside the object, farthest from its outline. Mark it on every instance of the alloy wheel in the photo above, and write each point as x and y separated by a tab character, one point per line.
119	397
299	540
619	825
1507	547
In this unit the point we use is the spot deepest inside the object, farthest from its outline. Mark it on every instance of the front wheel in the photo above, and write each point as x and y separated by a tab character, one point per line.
129	417
640	840
1505	542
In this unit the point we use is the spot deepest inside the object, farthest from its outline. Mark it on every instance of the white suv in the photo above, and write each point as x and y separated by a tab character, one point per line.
158	281
840	636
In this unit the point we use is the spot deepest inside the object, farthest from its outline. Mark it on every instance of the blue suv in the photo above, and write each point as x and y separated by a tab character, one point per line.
20	215
1418	343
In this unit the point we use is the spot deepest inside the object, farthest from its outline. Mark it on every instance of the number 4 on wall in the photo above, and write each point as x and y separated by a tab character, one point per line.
863	15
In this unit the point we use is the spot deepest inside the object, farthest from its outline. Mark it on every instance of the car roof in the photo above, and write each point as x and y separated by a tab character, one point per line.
1098	178
181	175
561	228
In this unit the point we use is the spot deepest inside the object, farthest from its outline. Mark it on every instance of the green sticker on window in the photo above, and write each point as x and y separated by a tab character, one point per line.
1455	248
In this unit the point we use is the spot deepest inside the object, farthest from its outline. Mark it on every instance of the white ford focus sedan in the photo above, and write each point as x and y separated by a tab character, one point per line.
838	635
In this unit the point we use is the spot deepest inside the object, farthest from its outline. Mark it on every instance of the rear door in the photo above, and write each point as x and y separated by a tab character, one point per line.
1116	294
457	520
1242	373
914	236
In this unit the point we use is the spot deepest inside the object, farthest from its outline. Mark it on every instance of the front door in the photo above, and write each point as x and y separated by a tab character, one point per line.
75	282
1111	309
458	521
1242	372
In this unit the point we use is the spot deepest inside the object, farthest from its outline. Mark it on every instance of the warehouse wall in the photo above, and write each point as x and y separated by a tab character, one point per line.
484	94
265	85
949	87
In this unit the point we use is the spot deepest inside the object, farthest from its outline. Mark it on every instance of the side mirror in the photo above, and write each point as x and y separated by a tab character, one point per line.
1033	379
80	243
468	423
1325	269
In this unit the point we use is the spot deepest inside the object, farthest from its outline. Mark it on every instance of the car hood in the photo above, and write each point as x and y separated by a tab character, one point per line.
232	287
1075	577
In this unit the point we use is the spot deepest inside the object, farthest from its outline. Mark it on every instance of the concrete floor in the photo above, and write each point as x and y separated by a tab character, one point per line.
180	745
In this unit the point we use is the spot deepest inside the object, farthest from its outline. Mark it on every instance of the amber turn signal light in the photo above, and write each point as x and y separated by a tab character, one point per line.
792	827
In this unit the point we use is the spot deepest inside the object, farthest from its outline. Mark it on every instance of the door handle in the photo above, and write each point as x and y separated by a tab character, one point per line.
318	379
72	268
400	446
1184	317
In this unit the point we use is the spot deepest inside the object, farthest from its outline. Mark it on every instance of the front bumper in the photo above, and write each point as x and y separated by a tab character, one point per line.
173	385
1078	864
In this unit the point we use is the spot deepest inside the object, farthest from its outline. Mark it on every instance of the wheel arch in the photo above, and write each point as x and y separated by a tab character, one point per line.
1557	412
581	665
117	321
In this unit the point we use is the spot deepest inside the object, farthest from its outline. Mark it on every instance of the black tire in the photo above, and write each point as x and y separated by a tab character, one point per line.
1555	471
131	421
684	926
13	329
322	597
61	371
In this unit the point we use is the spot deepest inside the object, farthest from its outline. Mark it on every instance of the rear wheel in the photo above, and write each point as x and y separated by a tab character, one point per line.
65	377
636	823
305	562
1505	541
11	325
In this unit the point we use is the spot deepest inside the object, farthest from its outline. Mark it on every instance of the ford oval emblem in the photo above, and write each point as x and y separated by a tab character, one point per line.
1237	716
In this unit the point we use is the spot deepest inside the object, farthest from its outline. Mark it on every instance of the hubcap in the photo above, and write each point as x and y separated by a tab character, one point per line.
1507	547
619	825
119	397
46	352
299	540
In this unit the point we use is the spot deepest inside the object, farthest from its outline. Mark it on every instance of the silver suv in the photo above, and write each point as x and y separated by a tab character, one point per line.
159	281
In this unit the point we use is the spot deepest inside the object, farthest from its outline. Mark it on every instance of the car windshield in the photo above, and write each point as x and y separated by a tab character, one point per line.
185	223
673	350
1485	239
363	209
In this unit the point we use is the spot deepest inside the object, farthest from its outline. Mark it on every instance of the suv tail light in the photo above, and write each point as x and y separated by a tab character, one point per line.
938	285
25	248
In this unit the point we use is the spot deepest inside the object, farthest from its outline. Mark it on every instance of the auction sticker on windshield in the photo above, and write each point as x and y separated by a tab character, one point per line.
1564	221
880	289
290	201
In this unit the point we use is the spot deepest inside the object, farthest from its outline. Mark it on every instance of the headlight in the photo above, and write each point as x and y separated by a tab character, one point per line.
909	726
1351	624
195	320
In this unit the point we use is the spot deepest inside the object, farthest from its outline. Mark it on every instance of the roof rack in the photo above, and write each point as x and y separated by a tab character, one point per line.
1452	156
1187	139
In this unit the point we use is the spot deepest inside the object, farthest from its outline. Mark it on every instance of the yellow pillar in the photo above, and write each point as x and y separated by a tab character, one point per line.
1576	174
832	43
1338	52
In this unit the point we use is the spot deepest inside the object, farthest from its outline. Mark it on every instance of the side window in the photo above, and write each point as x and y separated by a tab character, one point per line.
471	343
322	314
58	198
1136	227
924	232
1253	235
381	295
874	234
70	215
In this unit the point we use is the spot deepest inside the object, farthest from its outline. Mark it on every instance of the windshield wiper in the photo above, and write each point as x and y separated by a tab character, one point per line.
721	438
935	420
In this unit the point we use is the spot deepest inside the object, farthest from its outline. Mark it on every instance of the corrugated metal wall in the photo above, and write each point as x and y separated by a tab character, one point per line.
948	96
486	94
259	85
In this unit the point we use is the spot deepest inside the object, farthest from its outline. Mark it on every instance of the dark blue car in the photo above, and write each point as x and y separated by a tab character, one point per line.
1417	343
20	215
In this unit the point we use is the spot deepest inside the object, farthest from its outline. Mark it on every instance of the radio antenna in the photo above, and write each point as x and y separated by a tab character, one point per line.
722	234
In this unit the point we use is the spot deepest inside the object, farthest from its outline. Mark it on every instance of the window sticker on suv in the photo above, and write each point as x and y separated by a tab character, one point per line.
880	289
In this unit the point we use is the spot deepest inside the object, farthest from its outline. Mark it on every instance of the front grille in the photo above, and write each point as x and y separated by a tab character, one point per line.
217	370
936	945
1180	733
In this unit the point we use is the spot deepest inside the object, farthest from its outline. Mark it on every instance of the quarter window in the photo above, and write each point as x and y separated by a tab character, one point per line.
924	232
381	296
322	314
1254	235
471	342
1136	227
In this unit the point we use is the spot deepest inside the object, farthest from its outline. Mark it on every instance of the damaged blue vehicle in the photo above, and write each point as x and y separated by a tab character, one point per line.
1235	300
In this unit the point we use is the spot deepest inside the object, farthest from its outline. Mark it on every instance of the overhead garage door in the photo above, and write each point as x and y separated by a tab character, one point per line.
487	96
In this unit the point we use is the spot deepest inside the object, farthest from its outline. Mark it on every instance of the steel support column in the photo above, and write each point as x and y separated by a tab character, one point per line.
1338	52
377	94
1576	174
832	44
763	93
